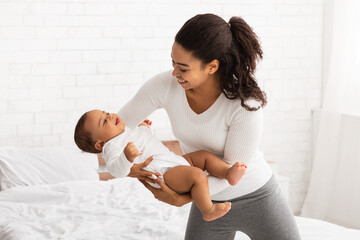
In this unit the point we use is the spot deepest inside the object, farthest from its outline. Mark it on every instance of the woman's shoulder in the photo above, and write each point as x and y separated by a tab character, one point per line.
236	111
161	78
236	105
158	89
161	82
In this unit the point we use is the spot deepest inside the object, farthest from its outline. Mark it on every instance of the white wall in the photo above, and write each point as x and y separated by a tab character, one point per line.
59	58
327	43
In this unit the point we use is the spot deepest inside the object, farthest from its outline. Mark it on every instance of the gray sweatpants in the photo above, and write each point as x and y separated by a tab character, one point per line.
262	215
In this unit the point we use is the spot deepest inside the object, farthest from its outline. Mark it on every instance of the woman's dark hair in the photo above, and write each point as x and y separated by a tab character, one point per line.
83	137
234	45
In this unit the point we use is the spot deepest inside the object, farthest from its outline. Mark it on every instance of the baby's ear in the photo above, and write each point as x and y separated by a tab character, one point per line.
99	145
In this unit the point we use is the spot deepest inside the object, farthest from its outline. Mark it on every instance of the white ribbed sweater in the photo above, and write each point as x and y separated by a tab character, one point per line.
225	129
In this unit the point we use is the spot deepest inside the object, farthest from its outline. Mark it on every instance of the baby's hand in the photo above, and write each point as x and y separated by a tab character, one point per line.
131	152
146	123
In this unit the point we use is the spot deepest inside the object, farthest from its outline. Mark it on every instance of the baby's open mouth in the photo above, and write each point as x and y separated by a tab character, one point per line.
117	121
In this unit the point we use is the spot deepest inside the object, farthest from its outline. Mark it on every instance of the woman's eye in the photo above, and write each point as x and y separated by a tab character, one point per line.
182	70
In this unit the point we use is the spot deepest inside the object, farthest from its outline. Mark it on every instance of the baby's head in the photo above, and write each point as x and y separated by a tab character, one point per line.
95	128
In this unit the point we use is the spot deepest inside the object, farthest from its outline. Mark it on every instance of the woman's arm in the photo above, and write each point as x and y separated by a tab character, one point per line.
173	146
136	171
103	176
242	143
167	195
101	160
244	137
150	97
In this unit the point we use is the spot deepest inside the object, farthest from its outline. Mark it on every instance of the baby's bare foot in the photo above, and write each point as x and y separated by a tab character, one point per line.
235	173
216	211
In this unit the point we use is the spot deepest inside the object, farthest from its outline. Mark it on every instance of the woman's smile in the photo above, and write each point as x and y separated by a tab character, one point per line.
181	81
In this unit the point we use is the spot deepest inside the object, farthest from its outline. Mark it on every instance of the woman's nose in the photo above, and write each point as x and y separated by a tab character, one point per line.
175	72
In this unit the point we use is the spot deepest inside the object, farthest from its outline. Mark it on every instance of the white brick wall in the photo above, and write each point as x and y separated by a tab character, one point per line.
59	58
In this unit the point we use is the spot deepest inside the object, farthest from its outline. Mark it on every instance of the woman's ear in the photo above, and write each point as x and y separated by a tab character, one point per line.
213	66
99	145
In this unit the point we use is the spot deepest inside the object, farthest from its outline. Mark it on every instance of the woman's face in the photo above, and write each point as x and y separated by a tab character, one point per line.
189	71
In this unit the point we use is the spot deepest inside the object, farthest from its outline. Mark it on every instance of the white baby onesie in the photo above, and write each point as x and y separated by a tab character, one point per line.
147	144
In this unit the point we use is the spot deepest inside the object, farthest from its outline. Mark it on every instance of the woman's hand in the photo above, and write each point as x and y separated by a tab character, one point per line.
167	195
137	172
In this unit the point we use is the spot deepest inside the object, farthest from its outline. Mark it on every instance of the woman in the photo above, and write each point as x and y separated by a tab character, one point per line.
214	103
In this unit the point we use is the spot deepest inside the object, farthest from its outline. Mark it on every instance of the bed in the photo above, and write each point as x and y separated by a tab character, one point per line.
82	207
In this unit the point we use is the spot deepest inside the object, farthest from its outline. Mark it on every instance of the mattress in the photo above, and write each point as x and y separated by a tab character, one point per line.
116	209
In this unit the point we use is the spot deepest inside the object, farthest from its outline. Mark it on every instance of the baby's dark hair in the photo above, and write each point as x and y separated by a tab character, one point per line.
83	137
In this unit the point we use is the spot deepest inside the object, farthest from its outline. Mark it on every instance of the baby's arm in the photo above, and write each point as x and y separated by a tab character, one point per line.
131	152
118	159
120	166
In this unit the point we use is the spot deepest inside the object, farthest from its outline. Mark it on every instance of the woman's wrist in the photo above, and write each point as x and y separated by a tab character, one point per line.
181	200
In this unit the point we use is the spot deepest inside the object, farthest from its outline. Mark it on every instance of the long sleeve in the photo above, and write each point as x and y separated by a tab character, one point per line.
225	129
151	96
244	136
242	144
116	160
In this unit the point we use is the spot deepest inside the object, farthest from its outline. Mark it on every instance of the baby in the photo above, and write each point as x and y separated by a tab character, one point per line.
98	131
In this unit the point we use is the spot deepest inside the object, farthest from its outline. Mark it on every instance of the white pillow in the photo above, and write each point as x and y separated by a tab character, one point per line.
34	166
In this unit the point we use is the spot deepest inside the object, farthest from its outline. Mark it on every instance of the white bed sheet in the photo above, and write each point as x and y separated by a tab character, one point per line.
117	209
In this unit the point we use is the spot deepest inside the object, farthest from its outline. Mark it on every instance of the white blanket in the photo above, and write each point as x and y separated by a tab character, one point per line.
117	209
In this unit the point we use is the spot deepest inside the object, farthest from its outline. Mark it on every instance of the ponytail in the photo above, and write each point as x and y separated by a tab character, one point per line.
246	51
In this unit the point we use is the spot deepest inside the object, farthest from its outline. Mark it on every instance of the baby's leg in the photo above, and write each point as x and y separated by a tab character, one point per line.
215	166
186	178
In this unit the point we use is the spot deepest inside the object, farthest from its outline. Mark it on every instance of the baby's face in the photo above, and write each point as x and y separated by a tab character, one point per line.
104	126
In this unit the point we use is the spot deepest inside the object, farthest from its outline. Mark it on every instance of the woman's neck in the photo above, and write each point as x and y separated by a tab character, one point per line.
202	98
210	90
